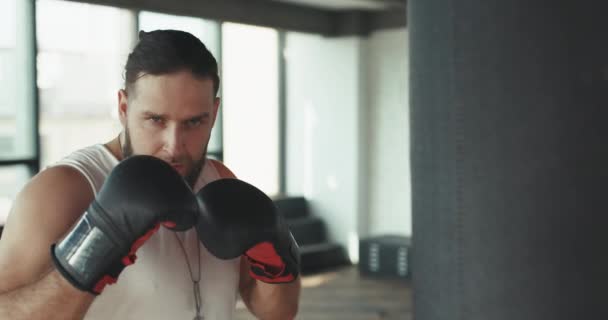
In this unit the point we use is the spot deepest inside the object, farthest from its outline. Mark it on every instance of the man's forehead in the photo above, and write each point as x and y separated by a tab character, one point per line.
178	82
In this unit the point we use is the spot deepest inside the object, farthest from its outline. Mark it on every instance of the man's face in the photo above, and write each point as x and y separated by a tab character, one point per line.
170	117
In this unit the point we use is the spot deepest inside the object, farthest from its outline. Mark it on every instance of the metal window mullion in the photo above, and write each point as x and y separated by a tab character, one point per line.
282	113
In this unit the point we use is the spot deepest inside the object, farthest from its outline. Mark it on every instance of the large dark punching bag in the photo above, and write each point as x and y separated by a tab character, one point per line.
509	153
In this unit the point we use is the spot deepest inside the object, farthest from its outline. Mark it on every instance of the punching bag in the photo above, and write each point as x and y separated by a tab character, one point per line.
509	154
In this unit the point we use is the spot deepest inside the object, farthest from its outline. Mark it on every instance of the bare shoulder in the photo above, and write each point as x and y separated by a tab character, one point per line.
222	169
43	211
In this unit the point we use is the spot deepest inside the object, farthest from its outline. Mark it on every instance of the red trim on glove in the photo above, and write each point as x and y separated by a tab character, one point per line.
106	280
140	242
267	265
264	253
258	272
130	258
169	224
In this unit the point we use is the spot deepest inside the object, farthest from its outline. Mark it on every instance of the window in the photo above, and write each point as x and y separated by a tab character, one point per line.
251	104
17	100
17	90
80	70
208	32
12	180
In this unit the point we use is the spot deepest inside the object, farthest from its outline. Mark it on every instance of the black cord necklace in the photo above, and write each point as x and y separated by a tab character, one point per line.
195	282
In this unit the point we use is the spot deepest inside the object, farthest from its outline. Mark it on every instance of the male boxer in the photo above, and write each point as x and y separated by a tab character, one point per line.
65	239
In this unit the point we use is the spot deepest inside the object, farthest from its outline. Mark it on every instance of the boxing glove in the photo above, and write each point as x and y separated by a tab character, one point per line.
239	219
140	194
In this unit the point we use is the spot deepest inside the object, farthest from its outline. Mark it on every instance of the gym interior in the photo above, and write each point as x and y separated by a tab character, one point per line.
434	159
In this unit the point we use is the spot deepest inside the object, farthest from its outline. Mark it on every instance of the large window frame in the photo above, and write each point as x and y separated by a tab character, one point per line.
33	163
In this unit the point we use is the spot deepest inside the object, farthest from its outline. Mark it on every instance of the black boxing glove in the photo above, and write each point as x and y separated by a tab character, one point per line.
239	219
140	194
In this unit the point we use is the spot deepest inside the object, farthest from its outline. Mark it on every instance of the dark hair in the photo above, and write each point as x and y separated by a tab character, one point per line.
166	51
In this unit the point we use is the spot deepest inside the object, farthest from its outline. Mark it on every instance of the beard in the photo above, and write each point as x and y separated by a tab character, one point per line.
191	176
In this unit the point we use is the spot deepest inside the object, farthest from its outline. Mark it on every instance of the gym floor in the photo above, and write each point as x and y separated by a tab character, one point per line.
344	295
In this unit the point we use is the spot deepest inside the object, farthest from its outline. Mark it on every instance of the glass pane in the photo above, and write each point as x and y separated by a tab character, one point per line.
207	31
80	70
17	90
12	179
8	23
250	93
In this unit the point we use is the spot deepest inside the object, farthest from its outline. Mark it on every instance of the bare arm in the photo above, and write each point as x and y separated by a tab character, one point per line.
51	297
269	301
42	213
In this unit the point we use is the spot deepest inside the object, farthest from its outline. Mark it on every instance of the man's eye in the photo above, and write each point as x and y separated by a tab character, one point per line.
194	122
156	119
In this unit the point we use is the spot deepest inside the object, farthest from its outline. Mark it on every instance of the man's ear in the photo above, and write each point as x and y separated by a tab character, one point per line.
123	103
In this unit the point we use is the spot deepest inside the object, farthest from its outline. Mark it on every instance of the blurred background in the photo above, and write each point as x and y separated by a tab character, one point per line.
314	112
462	139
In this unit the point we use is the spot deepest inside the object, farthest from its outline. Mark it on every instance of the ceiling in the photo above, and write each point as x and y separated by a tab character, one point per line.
331	18
343	5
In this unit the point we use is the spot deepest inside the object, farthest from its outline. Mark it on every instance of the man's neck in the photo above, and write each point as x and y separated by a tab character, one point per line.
114	147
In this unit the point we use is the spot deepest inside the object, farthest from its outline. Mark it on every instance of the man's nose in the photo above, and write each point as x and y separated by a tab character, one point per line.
174	143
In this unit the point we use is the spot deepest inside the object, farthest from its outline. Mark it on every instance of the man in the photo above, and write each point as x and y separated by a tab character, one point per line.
167	108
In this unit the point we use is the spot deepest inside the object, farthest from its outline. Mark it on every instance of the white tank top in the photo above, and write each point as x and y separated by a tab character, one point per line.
158	285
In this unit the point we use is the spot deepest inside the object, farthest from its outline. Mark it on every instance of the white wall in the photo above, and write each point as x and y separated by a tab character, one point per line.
347	132
388	112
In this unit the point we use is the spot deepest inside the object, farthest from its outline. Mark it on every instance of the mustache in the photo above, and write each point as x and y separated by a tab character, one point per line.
181	162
